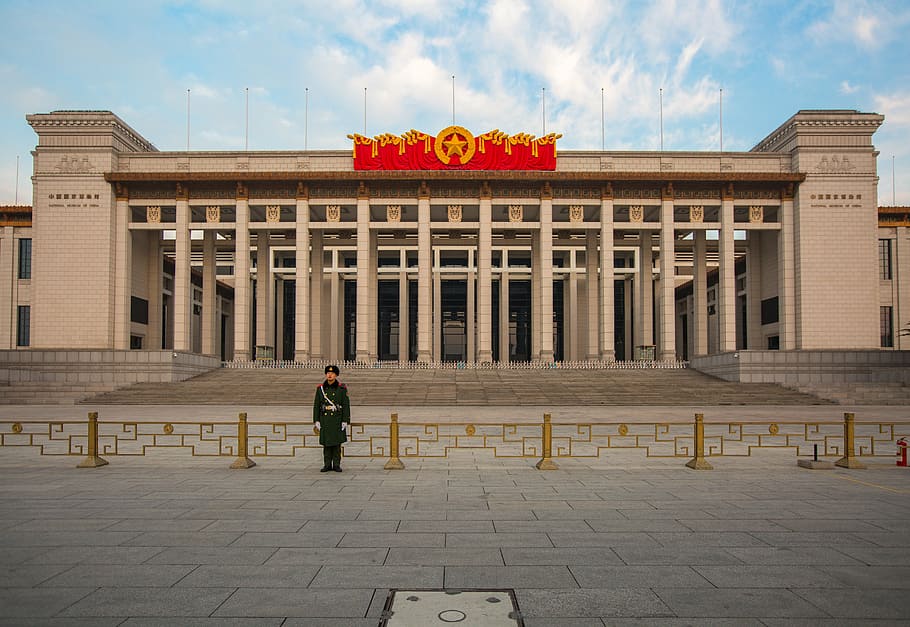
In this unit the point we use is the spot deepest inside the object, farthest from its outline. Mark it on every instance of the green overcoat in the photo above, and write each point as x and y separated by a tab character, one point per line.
331	433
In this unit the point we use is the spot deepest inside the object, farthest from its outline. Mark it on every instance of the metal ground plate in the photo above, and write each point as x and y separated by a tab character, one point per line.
480	608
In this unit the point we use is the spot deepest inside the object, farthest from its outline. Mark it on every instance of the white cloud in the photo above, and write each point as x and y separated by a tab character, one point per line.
865	23
847	88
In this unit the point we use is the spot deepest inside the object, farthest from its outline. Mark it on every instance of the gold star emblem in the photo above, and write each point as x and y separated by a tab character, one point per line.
454	146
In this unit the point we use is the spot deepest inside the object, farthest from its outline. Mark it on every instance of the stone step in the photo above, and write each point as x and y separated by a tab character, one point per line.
554	387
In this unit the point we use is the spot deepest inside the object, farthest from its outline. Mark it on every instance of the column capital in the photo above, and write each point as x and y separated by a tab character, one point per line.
423	192
363	192
606	192
182	192
243	192
727	193
666	192
788	192
121	191
486	192
303	191
546	191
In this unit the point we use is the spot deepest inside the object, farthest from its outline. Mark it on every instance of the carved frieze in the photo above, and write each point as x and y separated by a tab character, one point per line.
638	192
273	213
576	213
592	192
393	213
454	213
333	213
697	213
213	214
153	215
835	165
636	213
516	213
756	214
71	164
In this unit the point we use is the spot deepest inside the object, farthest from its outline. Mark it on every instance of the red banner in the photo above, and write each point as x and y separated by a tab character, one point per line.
455	148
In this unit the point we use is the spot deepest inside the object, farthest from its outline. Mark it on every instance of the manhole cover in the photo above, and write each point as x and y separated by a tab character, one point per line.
482	608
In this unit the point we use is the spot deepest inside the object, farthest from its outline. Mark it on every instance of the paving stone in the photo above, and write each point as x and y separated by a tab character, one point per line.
738	603
270	575
301	538
270	525
128	602
419	556
345	577
681	555
119	575
860	604
764	576
446	526
580	603
186	621
862	577
393	539
704	539
183	538
213	555
528	556
498	577
65	538
368	556
638	577
66	524
798	555
30	575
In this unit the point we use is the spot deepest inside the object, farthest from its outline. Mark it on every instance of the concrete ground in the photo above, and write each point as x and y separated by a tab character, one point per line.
175	540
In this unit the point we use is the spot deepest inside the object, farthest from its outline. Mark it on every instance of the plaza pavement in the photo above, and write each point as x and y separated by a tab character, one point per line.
174	540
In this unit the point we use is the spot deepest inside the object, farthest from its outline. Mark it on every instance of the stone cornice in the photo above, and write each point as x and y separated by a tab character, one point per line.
458	175
101	120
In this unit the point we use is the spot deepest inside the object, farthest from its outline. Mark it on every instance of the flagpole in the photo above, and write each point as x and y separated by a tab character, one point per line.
721	119
453	100
893	197
187	120
602	123
306	117
247	131
661	105
543	103
17	180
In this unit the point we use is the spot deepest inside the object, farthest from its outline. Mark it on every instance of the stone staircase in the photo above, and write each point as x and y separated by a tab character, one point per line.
45	393
390	387
861	393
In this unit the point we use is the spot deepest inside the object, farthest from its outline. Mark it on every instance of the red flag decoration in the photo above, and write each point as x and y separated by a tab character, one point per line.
455	148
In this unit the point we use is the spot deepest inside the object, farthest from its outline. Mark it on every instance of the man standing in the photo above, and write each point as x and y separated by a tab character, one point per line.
331	414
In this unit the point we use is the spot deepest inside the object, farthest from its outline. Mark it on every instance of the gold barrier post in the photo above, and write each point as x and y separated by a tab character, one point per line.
699	462
394	462
849	460
547	463
243	460
92	460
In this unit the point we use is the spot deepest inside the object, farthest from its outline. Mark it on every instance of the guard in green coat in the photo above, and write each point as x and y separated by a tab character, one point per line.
331	415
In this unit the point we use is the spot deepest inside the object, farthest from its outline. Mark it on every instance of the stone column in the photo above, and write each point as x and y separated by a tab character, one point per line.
337	323
424	278
607	278
154	279
278	300
726	285
472	310
403	310
504	310
571	312
302	281
373	305
317	279
437	308
183	294
8	277
210	326
363	278
123	273
786	269
644	298
546	274
265	329
667	312
753	291
242	299
629	291
700	296
592	289
485	277
536	313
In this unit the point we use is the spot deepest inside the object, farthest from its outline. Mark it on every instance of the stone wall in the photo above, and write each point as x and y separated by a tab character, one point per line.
108	367
796	368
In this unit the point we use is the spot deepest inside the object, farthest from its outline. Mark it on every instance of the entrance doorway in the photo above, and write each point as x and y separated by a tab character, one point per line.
454	301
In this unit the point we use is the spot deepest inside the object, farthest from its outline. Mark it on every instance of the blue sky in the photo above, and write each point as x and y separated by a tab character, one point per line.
770	57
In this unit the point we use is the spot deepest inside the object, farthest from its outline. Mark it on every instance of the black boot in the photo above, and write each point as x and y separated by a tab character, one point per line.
325	469
336	468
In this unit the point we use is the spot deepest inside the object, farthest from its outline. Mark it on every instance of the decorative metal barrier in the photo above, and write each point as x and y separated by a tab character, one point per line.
547	441
642	364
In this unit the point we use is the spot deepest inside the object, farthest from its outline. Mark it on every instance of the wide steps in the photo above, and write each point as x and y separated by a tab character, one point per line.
401	387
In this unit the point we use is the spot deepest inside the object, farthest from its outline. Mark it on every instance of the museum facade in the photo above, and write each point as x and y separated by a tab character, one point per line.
407	249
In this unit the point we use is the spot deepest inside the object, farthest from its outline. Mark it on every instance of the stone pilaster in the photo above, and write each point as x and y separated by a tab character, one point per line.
592	289
484	280
424	278
183	294
726	285
265	325
363	279
786	267
302	282
242	300
8	274
504	310
667	312
644	299
607	277
753	292
403	311
123	273
317	264
700	296
210	326
546	275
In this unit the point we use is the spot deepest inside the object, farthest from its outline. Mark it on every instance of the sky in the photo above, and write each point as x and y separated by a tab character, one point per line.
600	72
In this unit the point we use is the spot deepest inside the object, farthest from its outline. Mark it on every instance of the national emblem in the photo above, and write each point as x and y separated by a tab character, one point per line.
455	145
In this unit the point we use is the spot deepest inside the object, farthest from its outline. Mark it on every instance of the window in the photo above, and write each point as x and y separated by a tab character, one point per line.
22	325
770	311
25	258
139	310
887	325
884	259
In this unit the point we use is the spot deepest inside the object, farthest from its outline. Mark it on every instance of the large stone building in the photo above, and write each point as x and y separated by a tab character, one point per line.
302	255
